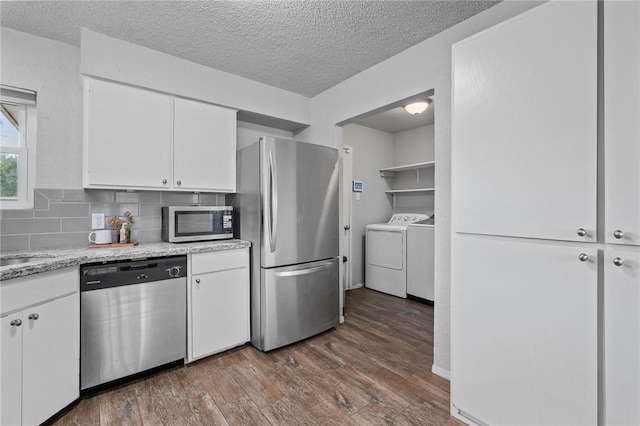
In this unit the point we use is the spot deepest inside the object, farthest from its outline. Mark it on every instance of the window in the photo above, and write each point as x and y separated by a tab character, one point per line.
17	147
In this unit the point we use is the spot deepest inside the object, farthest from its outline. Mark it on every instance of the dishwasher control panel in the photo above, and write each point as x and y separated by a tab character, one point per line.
100	275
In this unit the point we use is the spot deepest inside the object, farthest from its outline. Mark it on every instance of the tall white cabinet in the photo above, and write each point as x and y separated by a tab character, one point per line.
622	121
546	217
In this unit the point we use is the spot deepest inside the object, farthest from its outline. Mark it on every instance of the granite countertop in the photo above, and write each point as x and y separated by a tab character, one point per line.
49	260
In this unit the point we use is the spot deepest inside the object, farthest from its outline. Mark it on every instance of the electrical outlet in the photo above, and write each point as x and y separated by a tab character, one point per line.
97	221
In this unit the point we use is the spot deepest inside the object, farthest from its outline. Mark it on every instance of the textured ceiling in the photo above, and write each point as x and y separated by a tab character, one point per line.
302	46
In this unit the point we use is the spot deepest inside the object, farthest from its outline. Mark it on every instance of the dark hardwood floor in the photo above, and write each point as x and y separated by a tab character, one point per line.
373	369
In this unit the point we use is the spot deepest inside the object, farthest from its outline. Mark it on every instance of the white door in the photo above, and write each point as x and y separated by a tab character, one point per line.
11	369
347	205
51	358
622	336
622	121
524	125
204	147
128	136
524	331
219	310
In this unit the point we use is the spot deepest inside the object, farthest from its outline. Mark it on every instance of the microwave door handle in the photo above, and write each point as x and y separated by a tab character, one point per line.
273	203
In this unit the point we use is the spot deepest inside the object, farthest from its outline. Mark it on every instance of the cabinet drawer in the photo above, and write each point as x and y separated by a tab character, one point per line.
219	261
19	293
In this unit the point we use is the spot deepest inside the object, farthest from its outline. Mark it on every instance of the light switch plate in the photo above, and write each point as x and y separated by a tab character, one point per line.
97	220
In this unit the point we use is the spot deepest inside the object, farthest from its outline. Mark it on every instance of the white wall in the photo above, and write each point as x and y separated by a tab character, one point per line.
53	70
409	147
414	146
418	69
249	133
118	60
372	150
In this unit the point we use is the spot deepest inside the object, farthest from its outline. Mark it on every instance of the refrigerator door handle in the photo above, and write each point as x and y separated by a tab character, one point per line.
305	271
273	203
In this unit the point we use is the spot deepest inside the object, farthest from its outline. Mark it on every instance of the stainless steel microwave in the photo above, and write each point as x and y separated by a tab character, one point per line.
196	223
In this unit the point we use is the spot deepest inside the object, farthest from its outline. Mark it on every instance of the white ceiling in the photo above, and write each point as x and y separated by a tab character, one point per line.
396	119
301	46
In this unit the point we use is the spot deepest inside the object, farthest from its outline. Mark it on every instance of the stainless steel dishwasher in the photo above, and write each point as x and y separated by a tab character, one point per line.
133	317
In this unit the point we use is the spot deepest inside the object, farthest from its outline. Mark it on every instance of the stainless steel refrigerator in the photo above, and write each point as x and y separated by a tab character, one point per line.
287	206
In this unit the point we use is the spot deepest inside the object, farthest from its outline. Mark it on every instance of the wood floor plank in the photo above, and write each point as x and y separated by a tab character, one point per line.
121	408
243	411
373	369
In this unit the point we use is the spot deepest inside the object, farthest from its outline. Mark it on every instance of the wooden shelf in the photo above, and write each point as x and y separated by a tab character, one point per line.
391	171
409	191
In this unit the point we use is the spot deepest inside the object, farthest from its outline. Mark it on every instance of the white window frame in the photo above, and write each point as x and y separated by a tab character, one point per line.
26	151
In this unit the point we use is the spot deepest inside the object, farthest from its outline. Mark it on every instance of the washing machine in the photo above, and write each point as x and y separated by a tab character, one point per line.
386	254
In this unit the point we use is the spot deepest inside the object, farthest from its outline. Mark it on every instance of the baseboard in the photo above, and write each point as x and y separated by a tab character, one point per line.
446	374
354	286
341	319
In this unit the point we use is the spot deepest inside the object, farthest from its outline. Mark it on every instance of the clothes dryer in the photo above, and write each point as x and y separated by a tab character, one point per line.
386	254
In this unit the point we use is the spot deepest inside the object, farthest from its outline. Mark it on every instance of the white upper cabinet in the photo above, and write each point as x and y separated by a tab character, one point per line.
127	136
622	121
139	139
524	126
205	140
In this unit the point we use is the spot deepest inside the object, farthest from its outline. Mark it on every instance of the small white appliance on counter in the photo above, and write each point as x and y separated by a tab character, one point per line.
386	254
420	259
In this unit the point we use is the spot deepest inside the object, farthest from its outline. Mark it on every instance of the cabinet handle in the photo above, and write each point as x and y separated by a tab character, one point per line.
197	280
582	232
618	234
618	261
179	182
16	322
164	181
583	257
34	316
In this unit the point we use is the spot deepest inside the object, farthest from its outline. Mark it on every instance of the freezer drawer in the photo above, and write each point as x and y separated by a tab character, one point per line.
299	301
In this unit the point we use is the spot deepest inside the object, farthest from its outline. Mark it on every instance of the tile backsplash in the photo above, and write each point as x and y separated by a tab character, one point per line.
62	217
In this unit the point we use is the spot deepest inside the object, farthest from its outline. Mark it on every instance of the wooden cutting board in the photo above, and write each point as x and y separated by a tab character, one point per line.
113	245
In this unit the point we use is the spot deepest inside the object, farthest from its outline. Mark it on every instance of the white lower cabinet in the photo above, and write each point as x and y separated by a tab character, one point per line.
40	348
218	314
622	336
524	331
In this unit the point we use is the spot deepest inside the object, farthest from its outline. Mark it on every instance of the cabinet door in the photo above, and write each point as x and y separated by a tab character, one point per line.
524	125
128	136
524	331
51	358
219	311
205	147
11	369
621	335
622	123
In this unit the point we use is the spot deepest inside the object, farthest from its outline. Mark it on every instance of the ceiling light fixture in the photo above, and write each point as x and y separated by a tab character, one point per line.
417	107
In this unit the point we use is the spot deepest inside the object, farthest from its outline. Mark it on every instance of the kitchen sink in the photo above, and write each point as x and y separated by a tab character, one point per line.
20	260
